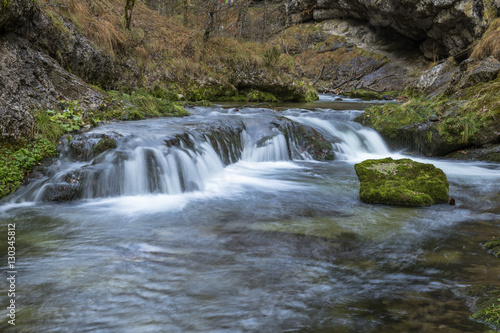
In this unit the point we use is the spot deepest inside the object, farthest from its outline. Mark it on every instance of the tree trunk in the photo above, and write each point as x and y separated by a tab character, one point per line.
129	5
210	25
264	32
185	13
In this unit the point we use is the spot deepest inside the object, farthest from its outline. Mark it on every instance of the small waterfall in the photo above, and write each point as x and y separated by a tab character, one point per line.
353	141
138	166
152	163
266	150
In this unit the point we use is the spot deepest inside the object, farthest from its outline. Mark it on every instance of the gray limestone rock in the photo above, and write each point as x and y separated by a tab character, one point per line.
443	27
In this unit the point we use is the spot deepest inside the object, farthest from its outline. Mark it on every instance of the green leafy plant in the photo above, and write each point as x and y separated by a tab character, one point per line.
15	164
70	118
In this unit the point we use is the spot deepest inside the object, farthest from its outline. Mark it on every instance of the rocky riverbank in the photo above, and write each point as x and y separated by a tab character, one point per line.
446	80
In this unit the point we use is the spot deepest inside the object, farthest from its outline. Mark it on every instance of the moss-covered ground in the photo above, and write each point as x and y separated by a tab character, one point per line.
458	118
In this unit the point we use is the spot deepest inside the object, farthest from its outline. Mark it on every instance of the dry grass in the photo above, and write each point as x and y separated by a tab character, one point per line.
158	52
489	45
101	21
153	38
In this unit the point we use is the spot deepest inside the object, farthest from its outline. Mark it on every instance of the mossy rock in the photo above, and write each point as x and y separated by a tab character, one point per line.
103	145
492	246
401	182
368	95
486	301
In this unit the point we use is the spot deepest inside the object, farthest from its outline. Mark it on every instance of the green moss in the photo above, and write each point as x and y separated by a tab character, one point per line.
204	103
209	93
492	244
310	94
489	315
458	119
369	95
15	164
401	182
261	96
493	247
139	105
103	145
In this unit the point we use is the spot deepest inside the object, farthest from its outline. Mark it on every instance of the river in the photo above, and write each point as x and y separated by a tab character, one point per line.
179	239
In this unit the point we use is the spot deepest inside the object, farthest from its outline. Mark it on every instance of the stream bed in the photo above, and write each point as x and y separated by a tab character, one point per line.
267	240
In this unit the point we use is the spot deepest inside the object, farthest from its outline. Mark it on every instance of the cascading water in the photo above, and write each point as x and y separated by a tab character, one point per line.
222	222
352	141
270	150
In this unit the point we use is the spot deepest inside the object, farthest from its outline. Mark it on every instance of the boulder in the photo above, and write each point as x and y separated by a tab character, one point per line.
474	71
437	79
401	182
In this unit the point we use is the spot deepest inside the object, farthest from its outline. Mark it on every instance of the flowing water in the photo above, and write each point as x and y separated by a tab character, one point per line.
219	223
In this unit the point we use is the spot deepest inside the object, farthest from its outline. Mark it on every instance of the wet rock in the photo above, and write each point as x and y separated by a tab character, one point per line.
401	182
62	192
103	144
33	58
30	79
226	140
305	139
86	146
492	246
490	153
301	10
484	300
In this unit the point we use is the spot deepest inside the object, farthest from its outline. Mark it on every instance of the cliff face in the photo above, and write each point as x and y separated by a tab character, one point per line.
442	27
34	57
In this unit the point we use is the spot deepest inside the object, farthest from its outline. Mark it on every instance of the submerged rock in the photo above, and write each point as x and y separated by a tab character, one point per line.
484	299
401	182
492	246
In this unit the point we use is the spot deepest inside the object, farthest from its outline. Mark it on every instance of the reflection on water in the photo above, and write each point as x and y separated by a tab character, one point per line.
267	245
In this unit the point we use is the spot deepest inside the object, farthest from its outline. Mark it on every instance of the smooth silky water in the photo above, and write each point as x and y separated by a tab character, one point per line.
270	242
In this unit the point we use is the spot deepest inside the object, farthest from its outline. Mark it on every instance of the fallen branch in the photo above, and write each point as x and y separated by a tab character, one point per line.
319	76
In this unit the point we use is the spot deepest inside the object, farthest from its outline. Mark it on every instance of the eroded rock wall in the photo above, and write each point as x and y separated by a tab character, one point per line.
34	57
442	27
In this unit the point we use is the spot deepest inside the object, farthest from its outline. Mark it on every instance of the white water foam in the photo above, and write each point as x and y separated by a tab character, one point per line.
353	144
